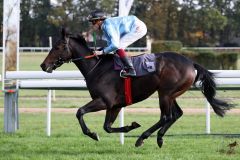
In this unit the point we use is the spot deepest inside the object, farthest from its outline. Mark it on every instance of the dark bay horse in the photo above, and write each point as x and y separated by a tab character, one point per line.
174	75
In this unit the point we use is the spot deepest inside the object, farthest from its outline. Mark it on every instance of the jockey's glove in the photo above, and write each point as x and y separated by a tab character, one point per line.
98	53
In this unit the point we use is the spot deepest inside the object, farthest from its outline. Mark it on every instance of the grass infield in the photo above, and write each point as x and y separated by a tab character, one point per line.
184	140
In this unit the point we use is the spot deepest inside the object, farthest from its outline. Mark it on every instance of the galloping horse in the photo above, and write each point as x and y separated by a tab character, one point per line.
174	75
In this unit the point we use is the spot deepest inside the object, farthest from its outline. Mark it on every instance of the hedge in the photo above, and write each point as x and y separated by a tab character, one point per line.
160	46
213	60
210	59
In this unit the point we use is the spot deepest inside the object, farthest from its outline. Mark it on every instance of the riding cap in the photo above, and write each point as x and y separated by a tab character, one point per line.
97	15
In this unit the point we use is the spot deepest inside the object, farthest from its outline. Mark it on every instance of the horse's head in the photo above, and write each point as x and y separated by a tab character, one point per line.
59	54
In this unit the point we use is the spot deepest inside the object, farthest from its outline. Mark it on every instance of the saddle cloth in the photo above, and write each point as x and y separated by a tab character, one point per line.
143	64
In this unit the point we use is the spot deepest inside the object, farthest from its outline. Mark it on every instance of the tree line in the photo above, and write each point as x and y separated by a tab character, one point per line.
193	22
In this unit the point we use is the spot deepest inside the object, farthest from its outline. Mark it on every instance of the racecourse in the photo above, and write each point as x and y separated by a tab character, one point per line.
186	139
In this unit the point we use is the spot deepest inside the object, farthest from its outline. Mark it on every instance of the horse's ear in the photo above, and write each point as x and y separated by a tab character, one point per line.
63	33
79	36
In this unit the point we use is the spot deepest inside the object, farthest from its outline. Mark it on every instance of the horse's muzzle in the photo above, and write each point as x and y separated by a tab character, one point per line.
46	68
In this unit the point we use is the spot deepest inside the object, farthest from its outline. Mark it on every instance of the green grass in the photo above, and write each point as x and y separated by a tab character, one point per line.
32	61
185	140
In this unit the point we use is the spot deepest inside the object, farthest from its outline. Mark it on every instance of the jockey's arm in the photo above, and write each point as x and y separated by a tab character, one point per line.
112	38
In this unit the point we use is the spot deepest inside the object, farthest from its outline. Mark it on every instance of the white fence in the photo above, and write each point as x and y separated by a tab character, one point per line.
131	49
47	49
74	80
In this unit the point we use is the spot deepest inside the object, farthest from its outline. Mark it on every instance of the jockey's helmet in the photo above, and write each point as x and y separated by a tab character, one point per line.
97	15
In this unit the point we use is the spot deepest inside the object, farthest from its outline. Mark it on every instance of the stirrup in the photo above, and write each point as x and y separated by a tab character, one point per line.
122	72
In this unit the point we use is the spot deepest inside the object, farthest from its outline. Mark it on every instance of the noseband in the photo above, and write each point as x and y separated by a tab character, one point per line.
59	62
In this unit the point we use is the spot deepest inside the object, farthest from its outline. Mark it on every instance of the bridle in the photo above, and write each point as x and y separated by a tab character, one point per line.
61	61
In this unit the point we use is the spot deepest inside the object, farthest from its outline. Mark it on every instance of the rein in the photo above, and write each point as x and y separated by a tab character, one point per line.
82	58
88	57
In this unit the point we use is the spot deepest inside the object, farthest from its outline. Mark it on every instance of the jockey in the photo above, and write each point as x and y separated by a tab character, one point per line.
119	32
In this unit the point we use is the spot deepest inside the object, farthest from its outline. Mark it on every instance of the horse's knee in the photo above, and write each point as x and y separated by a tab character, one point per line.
80	112
166	119
107	128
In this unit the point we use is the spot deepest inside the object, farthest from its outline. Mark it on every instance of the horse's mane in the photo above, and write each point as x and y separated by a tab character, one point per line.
79	38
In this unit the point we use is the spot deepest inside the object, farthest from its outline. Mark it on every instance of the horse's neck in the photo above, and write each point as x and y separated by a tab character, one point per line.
84	65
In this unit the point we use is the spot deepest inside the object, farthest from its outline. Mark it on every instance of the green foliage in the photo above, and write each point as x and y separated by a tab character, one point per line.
228	61
208	59
34	27
213	60
172	20
159	46
1	21
217	21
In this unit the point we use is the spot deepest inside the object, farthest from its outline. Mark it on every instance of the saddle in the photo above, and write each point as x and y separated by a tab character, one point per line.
143	64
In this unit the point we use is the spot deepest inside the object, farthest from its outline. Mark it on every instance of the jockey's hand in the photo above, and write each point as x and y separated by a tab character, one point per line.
98	53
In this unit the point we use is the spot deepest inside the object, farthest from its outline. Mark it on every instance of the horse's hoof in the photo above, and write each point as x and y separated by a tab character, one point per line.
160	142
139	142
95	136
135	125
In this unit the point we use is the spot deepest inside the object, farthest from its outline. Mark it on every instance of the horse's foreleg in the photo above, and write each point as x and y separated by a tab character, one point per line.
177	113
111	116
93	106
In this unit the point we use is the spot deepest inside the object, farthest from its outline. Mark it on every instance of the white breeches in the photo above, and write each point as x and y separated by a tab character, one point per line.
139	31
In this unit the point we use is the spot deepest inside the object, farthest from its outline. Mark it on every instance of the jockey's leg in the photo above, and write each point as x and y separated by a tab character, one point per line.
139	31
129	69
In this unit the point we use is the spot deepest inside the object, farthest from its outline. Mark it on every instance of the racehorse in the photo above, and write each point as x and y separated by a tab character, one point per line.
174	75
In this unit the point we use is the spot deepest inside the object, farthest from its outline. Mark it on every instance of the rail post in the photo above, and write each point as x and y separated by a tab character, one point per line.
208	113
49	106
121	118
10	62
11	119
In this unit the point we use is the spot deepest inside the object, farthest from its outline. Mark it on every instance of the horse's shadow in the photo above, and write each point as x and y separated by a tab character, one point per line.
226	135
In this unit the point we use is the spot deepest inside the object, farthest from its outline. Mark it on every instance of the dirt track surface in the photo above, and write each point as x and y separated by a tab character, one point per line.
186	111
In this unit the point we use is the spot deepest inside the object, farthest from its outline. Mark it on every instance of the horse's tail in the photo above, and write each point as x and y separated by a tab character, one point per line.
208	88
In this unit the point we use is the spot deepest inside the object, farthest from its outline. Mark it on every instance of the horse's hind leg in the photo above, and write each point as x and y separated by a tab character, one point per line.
165	106
111	116
93	106
177	113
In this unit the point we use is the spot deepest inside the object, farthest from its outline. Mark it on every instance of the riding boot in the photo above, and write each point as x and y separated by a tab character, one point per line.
129	69
128	66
